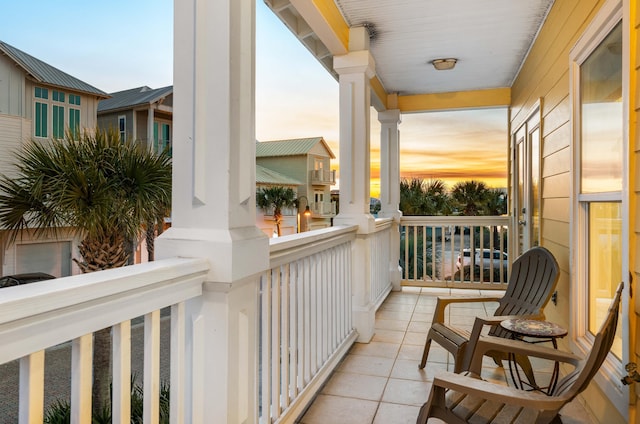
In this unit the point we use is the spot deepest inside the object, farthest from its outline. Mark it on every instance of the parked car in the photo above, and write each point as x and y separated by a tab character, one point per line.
483	260
19	279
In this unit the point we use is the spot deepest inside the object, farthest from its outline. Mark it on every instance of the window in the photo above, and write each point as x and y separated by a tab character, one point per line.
41	111
600	205
58	114
74	114
122	127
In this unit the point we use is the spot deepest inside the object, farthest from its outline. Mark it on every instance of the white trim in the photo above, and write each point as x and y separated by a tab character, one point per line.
611	13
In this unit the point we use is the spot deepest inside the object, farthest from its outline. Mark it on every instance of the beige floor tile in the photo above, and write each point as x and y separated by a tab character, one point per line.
401	307
367	365
411	352
399	315
356	386
384	350
406	392
392	324
422	316
436	354
415	338
391	413
388	336
418	326
408	370
410	298
425	309
339	410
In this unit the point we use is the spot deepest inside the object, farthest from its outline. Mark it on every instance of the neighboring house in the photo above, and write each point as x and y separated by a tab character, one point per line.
144	114
307	160
264	219
39	101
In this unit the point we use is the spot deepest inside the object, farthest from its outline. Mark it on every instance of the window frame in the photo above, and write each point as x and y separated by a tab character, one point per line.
581	340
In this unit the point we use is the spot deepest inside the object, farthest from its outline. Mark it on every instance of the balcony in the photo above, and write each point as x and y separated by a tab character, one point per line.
323	177
306	333
323	209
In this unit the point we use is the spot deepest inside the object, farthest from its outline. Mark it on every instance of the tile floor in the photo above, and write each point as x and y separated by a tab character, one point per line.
380	383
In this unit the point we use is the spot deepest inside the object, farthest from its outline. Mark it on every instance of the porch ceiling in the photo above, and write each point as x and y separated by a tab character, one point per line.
489	39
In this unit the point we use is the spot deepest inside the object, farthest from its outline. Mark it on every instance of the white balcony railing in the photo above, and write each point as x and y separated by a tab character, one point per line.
323	208
323	176
306	318
68	310
455	251
306	326
380	250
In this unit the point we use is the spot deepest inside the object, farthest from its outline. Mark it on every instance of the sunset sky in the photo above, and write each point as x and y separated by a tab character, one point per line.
295	96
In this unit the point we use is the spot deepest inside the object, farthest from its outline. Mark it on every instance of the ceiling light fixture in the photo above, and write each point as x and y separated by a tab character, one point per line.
444	64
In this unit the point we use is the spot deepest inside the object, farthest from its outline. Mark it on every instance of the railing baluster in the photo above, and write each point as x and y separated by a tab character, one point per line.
31	409
81	375
285	352
178	356
275	344
121	408
151	408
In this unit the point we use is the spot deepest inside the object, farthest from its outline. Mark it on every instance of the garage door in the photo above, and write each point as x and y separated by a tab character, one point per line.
51	258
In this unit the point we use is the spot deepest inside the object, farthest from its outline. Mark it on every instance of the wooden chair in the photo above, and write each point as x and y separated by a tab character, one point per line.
533	279
457	398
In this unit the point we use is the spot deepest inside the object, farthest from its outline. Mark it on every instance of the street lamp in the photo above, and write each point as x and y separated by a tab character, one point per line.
306	213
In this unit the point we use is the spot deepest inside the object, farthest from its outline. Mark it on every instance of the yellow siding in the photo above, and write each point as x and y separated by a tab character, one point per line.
545	78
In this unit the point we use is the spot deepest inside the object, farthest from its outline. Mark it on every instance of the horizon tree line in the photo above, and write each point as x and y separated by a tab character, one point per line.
468	198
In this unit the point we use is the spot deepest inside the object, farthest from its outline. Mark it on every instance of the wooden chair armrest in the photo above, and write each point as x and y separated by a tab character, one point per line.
476	332
489	343
444	301
496	392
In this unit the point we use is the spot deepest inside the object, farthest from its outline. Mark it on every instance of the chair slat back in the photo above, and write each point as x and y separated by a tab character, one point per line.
533	279
578	380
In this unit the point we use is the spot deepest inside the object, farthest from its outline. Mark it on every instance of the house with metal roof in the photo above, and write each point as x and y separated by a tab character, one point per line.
309	161
266	178
39	101
142	113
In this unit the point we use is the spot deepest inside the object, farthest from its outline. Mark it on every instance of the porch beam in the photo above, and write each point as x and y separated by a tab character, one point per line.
327	23
497	97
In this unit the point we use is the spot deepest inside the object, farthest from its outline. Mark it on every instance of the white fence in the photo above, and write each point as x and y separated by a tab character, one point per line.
306	319
41	315
306	326
455	251
380	250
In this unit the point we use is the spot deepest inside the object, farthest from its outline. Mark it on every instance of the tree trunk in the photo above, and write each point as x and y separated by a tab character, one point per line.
150	237
101	253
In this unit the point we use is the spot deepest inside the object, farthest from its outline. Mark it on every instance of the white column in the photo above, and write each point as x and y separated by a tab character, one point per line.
390	186
213	208
355	69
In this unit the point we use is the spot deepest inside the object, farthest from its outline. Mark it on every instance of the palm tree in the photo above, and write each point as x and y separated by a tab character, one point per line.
438	199
469	196
412	196
276	198
99	187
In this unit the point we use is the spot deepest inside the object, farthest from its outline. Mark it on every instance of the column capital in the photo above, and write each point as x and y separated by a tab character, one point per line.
390	116
356	62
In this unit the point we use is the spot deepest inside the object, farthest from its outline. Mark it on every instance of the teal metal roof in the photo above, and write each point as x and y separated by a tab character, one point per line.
47	74
138	96
292	147
269	176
